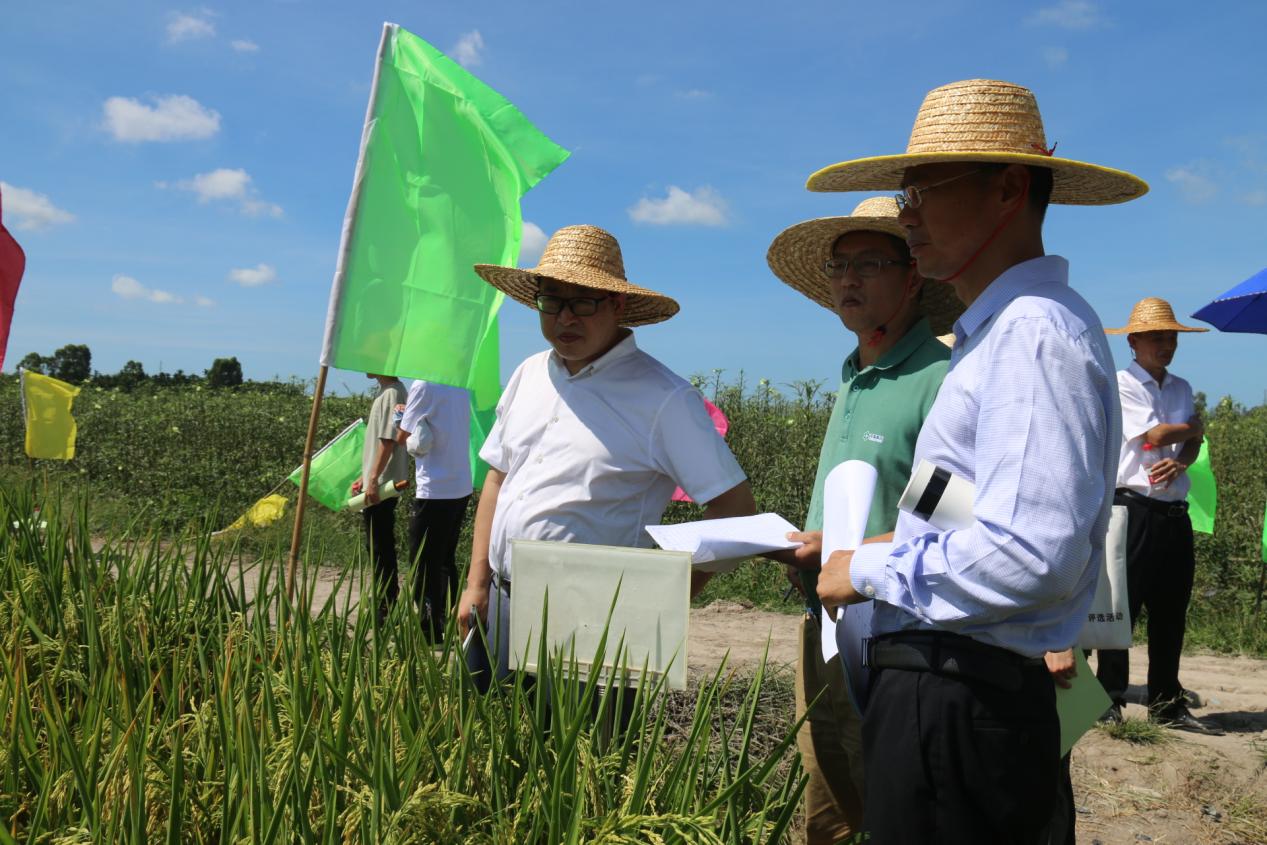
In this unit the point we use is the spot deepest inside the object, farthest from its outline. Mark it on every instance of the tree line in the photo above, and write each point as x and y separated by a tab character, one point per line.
73	364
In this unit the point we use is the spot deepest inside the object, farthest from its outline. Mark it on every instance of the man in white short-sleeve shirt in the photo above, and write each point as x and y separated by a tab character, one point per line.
1161	437
592	436
436	430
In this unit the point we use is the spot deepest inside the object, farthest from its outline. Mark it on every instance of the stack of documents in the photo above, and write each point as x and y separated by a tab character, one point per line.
720	545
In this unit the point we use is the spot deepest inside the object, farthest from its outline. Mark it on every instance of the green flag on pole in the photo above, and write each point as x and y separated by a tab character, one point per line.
335	466
444	161
1203	496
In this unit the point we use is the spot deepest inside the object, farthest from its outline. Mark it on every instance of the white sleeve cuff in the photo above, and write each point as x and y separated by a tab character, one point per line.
868	567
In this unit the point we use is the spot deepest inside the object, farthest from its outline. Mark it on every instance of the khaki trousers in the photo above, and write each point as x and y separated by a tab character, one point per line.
830	742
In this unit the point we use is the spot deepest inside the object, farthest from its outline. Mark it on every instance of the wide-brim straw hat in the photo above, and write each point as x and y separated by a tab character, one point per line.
986	121
797	254
587	256
1153	314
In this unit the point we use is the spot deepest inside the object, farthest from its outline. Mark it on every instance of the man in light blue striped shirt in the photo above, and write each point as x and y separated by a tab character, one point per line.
960	737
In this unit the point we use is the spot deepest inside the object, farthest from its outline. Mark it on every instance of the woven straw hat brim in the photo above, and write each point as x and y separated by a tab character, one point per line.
1073	182
1155	326
797	254
1153	314
642	306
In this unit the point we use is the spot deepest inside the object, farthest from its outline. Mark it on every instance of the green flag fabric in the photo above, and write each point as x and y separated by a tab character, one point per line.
335	467
444	161
1203	496
481	424
1264	555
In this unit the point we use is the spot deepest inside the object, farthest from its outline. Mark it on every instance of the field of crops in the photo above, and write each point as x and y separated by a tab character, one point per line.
148	694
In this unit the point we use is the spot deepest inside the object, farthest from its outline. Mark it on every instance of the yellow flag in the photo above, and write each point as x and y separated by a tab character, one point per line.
50	428
264	512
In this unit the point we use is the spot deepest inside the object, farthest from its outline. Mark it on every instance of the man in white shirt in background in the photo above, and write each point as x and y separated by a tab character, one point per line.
592	436
436	431
1161	437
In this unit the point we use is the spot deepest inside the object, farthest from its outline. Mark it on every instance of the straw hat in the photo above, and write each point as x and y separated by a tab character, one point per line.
987	121
1153	315
797	254
585	256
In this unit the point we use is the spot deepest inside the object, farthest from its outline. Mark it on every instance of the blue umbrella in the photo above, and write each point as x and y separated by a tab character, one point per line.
1241	309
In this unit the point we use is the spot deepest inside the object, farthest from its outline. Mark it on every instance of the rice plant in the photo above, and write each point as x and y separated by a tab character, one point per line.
147	694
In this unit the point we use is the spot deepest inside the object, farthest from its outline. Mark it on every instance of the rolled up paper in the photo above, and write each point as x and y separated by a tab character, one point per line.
387	490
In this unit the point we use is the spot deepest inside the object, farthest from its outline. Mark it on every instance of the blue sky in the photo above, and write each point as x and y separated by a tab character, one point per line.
177	174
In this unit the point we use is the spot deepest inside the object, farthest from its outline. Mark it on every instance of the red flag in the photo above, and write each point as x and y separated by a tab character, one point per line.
12	264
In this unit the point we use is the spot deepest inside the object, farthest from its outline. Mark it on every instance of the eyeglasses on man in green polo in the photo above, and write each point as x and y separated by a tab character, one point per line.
863	268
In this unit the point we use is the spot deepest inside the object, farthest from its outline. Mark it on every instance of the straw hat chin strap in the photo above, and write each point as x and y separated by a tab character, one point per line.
883	329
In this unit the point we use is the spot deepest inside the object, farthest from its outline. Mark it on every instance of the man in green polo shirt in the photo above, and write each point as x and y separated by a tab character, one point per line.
860	268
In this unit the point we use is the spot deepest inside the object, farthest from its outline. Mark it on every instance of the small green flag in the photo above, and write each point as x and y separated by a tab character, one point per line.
1203	496
1264	555
335	467
444	161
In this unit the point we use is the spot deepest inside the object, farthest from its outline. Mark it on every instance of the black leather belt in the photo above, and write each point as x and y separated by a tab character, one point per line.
502	584
953	655
1171	509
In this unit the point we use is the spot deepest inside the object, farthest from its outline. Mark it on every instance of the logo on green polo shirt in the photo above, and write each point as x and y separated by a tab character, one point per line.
873	437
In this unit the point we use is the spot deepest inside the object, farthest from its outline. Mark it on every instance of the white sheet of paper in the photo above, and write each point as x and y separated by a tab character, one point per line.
847	493
714	542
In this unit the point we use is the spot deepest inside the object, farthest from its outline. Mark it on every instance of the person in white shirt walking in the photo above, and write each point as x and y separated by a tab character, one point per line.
960	734
436	431
1161	437
592	436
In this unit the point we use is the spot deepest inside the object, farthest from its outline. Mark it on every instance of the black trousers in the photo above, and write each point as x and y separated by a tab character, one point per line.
380	539
1159	568
434	528
953	760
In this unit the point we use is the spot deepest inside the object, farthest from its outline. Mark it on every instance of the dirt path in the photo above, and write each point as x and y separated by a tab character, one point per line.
1189	789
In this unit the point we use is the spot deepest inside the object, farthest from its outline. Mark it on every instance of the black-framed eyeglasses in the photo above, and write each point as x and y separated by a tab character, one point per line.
863	268
913	197
581	306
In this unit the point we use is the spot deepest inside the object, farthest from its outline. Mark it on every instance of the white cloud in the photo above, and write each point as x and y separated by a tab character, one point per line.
253	277
244	45
230	184
1055	57
184	26
173	117
469	49
1193	183
1255	198
1069	14
204	302
532	245
694	94
30	211
129	288
705	207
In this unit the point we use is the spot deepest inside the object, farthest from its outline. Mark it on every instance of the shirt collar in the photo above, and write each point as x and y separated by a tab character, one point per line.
1144	376
914	338
623	349
1013	282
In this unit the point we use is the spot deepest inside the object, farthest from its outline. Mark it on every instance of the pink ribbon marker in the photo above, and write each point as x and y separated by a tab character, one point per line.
722	425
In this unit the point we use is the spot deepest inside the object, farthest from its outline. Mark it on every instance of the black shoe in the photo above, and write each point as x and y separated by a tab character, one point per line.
1112	716
1181	720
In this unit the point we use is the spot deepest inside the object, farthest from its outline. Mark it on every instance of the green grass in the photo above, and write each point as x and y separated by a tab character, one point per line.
1137	731
148	695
